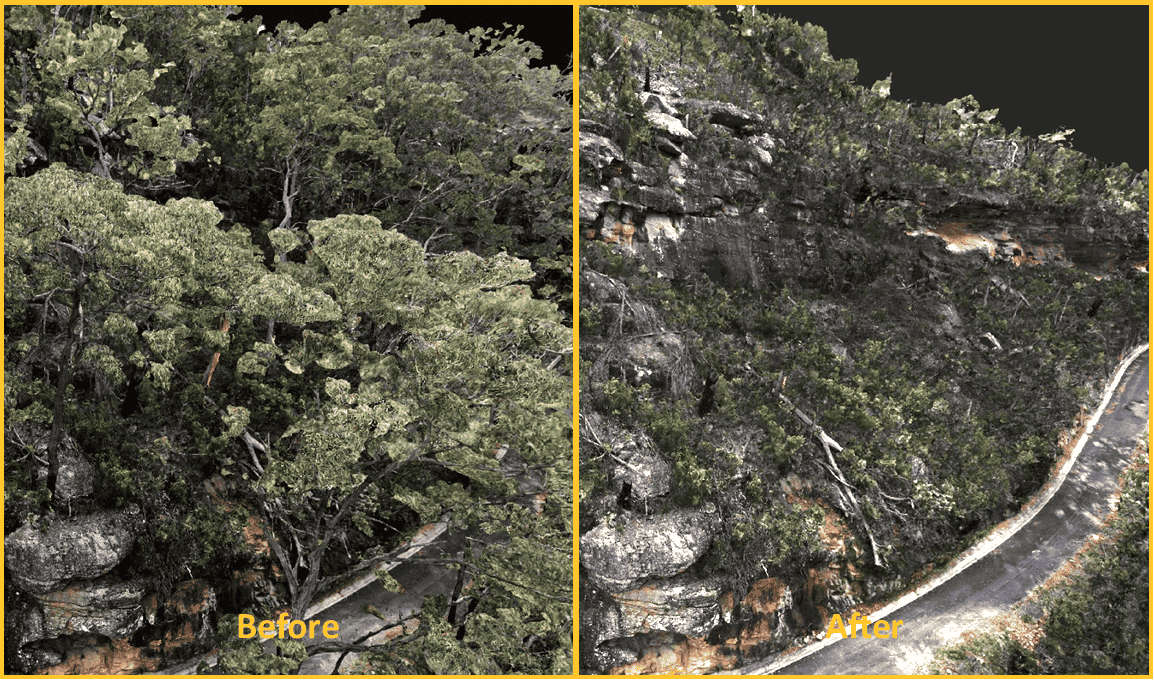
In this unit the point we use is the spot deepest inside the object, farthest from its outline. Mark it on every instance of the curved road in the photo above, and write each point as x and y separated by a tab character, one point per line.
360	625
368	613
1001	577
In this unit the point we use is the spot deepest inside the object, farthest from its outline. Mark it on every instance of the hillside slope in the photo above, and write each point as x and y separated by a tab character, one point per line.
827	337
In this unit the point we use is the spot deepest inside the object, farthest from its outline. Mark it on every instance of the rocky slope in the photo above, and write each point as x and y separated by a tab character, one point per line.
72	605
789	384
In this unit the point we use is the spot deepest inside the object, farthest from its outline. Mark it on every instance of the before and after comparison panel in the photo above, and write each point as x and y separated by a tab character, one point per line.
559	340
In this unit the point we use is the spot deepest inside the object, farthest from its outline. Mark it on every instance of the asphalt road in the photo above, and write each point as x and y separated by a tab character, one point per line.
1007	574
370	614
359	624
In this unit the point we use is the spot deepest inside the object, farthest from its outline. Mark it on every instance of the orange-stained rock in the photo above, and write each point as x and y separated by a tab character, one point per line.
111	657
692	657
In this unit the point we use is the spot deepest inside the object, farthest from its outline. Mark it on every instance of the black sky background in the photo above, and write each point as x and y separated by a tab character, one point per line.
550	27
1044	67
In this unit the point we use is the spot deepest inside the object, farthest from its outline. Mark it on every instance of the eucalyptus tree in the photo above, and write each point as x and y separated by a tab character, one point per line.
100	285
386	359
98	85
364	353
450	136
436	361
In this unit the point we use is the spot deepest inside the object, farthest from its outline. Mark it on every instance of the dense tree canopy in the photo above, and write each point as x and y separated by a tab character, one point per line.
326	267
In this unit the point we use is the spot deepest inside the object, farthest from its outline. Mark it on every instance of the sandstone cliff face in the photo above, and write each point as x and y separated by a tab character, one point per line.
671	210
42	558
682	212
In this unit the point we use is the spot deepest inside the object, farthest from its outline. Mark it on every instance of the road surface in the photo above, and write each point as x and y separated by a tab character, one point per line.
366	611
1009	571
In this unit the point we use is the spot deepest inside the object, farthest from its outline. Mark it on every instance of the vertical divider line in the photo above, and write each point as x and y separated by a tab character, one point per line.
576	523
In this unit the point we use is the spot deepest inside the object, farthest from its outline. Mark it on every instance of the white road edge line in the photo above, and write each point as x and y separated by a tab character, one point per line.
421	540
983	548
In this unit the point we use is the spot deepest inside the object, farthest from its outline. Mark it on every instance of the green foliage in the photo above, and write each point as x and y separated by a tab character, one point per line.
363	314
450	137
992	655
609	92
247	656
104	99
928	417
1111	595
434	650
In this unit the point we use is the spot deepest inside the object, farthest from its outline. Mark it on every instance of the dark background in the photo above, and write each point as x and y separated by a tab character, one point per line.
550	27
1045	67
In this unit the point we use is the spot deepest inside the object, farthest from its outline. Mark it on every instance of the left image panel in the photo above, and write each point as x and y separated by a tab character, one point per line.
288	340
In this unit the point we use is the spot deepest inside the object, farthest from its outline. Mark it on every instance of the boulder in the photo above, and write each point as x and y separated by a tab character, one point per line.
722	113
646	472
106	607
652	360
668	147
597	151
76	477
24	623
594	127
762	147
683	604
42	558
655	102
621	553
989	342
764	141
669	126
764	156
599	622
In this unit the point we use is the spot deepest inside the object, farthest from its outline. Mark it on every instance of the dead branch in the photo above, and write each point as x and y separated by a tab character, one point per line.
829	446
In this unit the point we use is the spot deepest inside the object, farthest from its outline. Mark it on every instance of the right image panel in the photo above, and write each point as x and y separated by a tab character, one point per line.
863	333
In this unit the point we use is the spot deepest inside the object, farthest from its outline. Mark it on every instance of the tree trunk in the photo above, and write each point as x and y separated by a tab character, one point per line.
829	445
75	336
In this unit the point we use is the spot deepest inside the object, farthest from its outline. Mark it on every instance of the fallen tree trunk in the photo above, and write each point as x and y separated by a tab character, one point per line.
829	446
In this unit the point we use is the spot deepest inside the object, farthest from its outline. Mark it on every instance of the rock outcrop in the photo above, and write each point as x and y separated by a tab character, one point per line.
699	201
722	113
622	552
102	607
42	558
76	477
